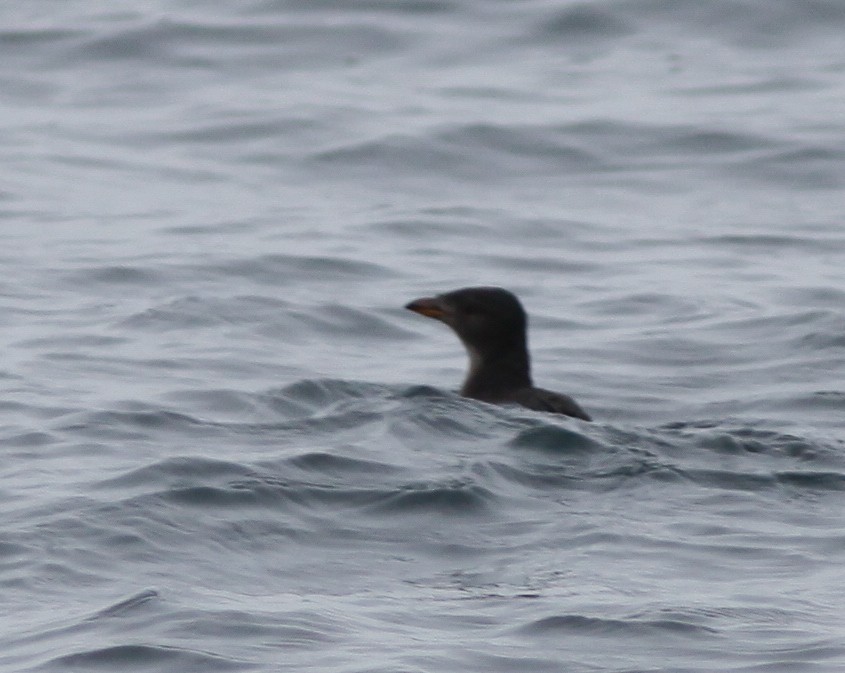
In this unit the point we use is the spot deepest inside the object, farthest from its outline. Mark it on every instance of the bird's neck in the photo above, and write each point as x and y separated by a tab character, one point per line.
494	375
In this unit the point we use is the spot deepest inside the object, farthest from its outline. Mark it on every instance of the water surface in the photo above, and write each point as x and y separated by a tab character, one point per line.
225	444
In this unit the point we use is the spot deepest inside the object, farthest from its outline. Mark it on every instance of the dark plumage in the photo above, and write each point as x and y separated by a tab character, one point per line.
492	325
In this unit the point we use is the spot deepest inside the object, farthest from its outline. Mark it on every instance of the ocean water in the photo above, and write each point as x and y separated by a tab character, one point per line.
225	446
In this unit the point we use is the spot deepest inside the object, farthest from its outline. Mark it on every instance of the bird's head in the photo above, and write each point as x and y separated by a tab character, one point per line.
487	319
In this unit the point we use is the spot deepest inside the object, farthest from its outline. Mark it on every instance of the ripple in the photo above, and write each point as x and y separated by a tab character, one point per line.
454	498
128	605
556	439
323	393
139	424
254	493
745	440
195	311
471	151
177	469
277	269
741	23
149	658
344	320
118	275
177	42
813	481
30	439
604	626
332	464
582	21
802	166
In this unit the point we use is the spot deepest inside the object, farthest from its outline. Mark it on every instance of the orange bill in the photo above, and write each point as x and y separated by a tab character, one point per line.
431	307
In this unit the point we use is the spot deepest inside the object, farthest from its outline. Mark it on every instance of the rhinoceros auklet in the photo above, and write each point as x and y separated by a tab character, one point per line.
492	325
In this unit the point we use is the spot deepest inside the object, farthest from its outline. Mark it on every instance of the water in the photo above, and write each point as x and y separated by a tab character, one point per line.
226	446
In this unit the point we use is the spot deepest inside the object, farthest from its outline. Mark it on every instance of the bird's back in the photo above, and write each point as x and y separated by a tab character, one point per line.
539	399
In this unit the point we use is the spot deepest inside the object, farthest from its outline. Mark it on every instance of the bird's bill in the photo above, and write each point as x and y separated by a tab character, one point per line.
431	307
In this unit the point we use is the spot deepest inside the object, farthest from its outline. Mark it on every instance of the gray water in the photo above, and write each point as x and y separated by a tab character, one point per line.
227	447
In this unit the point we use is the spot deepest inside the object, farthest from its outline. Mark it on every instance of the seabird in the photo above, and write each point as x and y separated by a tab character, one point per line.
492	324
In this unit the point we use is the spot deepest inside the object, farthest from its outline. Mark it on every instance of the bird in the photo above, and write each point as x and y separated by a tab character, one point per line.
492	325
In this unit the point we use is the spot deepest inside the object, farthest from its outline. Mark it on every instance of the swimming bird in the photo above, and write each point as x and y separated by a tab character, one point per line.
492	324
